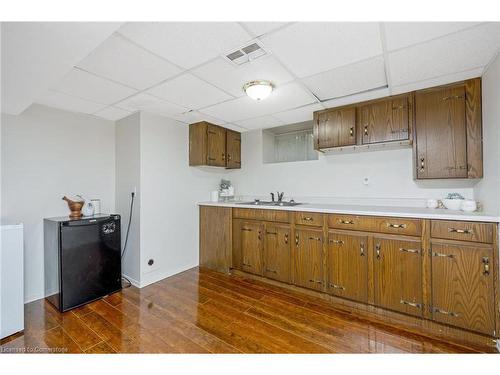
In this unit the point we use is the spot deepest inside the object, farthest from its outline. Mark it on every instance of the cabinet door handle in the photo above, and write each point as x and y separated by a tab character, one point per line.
362	249
259	235
315	238
211	132
377	250
315	281
286	238
444	312
338	242
228	157
462	231
246	229
335	286
435	254
486	266
412	304
297	240
351	131
342	221
453	97
223	156
422	164
366	129
412	251
270	232
391	225
211	159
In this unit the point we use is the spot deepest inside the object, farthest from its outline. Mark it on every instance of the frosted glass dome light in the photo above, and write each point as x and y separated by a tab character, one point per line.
258	90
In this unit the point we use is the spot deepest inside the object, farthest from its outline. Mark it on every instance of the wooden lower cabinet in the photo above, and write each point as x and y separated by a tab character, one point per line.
462	285
215	238
251	246
277	256
347	266
397	269
308	258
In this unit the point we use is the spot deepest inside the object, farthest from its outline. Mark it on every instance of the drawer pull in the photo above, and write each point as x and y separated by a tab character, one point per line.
342	221
270	232
315	238
434	254
461	231
453	97
391	225
315	281
272	271
246	229
444	312
412	304
412	251
362	249
307	218
486	266
338	242
334	286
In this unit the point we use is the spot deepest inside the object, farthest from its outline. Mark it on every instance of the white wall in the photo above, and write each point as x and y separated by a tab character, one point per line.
488	189
170	190
339	176
128	179
48	153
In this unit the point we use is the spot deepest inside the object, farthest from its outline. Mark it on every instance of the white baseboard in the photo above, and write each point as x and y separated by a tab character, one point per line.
134	282
153	277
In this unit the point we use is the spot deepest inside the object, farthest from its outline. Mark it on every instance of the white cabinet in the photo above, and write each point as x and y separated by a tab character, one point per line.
11	280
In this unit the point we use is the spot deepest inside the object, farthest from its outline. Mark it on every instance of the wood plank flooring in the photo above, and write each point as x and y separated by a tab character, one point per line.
201	311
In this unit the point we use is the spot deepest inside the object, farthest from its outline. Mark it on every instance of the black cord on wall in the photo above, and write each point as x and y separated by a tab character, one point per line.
127	281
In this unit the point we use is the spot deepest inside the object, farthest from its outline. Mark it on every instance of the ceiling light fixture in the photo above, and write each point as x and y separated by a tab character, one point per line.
258	90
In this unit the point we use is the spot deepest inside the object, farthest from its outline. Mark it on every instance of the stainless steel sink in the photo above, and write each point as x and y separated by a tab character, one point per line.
269	203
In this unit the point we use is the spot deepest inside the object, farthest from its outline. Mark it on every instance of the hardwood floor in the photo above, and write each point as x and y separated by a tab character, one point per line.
201	311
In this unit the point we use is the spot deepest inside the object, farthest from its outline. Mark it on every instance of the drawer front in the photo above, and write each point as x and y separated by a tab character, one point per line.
260	214
352	222
462	230
309	218
394	225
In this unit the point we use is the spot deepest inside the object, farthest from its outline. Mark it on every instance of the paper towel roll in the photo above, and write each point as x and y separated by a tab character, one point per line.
214	196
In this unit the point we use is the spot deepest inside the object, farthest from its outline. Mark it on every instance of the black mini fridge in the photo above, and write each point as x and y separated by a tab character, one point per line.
82	259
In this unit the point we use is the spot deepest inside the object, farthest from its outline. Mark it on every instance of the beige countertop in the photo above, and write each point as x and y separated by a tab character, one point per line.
410	212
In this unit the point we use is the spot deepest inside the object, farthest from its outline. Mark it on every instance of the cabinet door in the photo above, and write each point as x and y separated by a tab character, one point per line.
251	247
440	123
385	120
308	260
462	286
233	149
216	146
347	266
337	128
398	275
277	257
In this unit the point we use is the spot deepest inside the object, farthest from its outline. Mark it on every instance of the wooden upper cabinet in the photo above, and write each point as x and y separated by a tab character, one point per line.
210	145
233	149
462	285
347	265
308	259
397	273
335	128
448	132
385	120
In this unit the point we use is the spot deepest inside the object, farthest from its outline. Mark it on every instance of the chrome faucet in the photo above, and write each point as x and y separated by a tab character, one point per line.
280	196
272	197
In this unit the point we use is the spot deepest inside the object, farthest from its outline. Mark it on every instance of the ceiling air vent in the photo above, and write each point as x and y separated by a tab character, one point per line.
245	54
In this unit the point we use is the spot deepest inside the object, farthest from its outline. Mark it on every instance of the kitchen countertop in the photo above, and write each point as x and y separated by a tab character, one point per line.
410	212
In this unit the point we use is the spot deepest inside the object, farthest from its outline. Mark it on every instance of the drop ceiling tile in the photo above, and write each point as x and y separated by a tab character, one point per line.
69	103
285	97
348	79
88	86
124	62
235	127
191	117
357	98
187	43
466	50
112	113
231	78
190	92
149	103
299	114
261	28
260	122
308	48
403	34
437	81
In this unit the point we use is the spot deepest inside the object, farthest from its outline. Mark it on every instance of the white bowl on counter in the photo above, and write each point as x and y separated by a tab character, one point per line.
453	204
